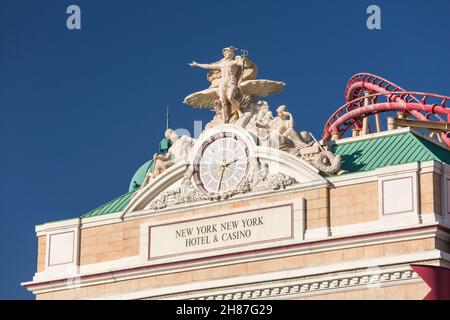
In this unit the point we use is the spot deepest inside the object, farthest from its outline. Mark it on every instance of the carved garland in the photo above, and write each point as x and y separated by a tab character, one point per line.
187	192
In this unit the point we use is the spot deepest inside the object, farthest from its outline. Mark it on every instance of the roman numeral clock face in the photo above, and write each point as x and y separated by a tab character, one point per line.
221	164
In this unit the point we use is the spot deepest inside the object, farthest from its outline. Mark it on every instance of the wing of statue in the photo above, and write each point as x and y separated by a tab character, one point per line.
261	87
202	99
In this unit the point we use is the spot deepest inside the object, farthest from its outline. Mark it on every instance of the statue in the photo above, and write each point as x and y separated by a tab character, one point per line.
218	118
282	133
259	124
233	84
179	151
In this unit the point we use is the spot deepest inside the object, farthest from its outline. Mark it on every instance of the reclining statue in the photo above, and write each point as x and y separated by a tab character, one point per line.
179	151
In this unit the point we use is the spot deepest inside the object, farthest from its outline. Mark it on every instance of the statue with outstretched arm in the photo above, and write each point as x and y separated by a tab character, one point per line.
233	85
231	68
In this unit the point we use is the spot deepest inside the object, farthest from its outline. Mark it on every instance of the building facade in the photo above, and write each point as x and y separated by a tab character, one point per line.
253	209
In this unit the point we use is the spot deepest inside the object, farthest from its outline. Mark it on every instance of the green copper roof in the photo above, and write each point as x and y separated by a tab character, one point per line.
116	205
377	152
139	176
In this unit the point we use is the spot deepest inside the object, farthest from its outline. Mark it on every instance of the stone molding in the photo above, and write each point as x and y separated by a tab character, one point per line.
303	287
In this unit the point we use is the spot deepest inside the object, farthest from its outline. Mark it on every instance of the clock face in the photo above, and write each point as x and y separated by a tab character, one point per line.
221	164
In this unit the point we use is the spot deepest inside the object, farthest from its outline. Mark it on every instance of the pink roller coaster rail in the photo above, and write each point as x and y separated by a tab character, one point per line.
422	106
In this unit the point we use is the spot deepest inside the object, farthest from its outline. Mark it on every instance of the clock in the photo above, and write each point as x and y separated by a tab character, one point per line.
221	163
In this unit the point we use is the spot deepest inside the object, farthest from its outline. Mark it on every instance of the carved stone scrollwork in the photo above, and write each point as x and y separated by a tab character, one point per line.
279	132
187	192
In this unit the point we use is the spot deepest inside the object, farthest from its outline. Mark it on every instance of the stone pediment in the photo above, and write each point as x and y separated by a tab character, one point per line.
269	170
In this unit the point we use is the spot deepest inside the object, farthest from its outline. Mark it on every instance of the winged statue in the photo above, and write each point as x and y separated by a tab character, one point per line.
233	85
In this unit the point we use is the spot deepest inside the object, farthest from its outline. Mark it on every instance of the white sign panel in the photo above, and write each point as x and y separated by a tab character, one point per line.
264	227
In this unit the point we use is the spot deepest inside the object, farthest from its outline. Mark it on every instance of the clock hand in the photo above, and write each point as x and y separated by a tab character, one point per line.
224	159
227	164
221	177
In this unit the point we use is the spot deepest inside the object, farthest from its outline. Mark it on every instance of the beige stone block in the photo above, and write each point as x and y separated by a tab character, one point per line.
417	291
335	221
236	270
183	277
130	285
392	248
147	283
79	293
87	250
88	241
294	262
116	236
219	272
241	204
354	295
130	251
333	256
312	214
256	267
312	194
316	223
275	265
429	243
95	291
353	253
375	294
107	247
323	213
323	193
165	280
113	288
133	224
87	232
396	293
296	196
375	251
41	253
275	198
317	204
313	259
131	233
201	275
426	177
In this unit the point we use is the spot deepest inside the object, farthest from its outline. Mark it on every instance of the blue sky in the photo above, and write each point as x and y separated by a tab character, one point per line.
82	110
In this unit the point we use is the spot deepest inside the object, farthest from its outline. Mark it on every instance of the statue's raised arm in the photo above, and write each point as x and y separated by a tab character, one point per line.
207	66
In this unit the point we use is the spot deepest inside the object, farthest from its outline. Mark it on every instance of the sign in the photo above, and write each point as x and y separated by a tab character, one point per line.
265	226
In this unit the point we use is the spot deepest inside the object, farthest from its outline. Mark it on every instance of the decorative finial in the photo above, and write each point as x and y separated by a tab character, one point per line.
167	118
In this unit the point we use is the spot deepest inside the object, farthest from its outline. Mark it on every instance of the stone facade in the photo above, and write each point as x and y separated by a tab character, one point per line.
348	244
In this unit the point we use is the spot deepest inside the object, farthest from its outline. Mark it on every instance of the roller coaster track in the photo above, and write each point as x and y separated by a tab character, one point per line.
422	106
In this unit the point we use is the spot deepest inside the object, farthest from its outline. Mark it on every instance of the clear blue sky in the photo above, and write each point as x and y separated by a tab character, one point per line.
82	110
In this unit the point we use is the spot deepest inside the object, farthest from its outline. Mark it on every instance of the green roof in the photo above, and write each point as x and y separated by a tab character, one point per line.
116	205
376	152
139	176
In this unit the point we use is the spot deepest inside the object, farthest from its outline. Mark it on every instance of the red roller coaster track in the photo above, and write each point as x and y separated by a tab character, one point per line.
422	106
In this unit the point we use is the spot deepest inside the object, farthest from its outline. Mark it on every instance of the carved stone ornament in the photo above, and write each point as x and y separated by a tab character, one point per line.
261	180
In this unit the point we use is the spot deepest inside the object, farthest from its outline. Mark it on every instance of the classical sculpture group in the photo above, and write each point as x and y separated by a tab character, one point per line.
234	96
